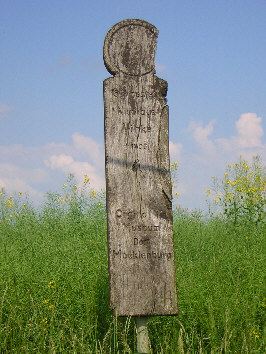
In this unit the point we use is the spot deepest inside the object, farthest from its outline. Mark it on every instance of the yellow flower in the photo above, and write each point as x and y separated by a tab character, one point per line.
255	333
61	200
174	164
100	203
64	186
246	167
208	192
50	307
44	321
93	193
46	301
75	187
177	194
20	193
86	179
52	284
9	203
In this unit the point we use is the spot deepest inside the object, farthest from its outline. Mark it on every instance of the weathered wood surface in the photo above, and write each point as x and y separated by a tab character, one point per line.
138	184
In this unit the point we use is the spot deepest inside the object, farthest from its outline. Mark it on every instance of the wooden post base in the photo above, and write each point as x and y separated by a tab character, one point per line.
142	335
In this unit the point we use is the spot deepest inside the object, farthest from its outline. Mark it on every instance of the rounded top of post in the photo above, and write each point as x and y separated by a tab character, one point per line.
130	47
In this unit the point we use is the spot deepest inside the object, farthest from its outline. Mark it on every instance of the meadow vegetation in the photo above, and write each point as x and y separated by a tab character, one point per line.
54	273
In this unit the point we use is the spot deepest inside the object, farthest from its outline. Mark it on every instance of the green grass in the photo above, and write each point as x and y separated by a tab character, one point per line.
54	284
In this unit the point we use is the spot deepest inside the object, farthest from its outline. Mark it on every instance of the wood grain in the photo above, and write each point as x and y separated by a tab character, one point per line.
138	184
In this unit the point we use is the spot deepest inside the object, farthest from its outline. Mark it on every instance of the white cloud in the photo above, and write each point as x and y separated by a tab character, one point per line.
201	136
249	130
15	179
38	169
249	133
89	146
175	150
247	141
4	108
67	165
211	156
32	175
17	184
64	61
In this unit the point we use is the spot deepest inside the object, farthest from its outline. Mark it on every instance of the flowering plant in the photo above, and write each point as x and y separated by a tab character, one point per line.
241	192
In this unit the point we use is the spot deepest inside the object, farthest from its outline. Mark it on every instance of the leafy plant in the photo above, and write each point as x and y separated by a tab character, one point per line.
241	192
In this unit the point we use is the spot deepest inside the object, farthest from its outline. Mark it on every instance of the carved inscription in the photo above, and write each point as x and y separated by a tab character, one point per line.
144	228
136	112
138	184
141	241
122	92
134	127
132	214
142	255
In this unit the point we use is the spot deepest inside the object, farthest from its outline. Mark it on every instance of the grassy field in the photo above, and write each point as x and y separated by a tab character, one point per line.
54	282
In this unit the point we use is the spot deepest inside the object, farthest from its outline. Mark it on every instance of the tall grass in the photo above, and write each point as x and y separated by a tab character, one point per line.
54	282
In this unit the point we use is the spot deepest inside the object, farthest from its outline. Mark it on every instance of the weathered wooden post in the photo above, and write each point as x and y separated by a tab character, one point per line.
138	183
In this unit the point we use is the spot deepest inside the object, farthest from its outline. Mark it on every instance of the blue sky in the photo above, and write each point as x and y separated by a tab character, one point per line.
212	53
